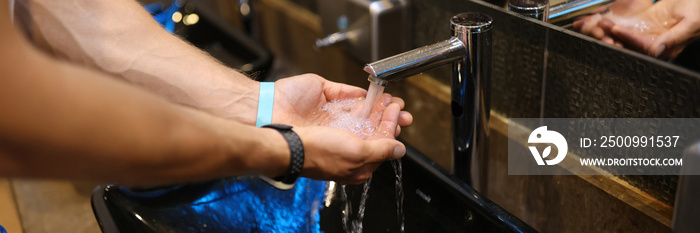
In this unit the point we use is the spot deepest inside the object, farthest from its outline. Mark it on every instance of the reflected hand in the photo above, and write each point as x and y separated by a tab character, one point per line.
298	100
662	30
594	25
673	25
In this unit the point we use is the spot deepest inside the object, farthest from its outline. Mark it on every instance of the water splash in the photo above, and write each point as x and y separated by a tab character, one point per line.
353	224
357	224
347	211
343	116
398	173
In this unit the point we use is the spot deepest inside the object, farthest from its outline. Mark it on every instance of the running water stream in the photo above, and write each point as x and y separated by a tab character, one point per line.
373	93
398	173
345	116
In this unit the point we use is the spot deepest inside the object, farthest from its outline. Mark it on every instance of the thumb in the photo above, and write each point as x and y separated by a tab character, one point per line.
334	91
385	149
676	37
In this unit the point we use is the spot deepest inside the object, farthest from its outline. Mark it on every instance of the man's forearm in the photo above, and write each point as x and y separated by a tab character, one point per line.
119	37
61	121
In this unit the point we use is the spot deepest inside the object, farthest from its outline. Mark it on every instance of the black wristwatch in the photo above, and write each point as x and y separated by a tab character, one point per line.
296	163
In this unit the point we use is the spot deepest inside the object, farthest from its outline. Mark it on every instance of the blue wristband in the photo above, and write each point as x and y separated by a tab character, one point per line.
265	103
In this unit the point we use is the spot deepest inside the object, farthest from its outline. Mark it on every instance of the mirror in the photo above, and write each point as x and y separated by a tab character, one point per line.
667	30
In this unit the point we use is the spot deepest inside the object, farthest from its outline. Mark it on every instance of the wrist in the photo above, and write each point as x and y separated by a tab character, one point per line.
273	160
266	99
296	158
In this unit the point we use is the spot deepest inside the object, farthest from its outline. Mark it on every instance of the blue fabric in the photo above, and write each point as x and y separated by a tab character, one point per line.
265	103
2	229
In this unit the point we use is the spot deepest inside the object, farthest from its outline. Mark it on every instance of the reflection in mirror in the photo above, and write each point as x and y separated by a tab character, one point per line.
564	13
663	29
668	29
536	9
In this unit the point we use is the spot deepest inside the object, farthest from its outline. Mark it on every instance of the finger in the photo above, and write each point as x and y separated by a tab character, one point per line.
398	131
606	25
631	38
591	24
578	24
405	118
334	91
385	99
677	36
398	101
389	121
362	174
608	40
369	169
384	149
598	33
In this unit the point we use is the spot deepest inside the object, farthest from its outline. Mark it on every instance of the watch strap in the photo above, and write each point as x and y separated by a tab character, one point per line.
296	151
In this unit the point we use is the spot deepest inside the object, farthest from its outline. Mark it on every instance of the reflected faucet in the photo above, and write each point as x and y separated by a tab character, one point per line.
565	13
469	52
536	9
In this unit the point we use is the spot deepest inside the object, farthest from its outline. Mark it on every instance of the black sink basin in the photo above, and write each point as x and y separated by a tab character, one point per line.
435	201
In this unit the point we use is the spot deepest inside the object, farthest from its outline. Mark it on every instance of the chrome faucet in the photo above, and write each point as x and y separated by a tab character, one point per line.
469	51
565	13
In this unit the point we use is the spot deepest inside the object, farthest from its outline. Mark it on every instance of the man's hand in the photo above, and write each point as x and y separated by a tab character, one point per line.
334	154
298	101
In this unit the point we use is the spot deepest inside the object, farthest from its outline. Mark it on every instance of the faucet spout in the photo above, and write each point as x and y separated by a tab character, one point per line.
409	63
469	52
